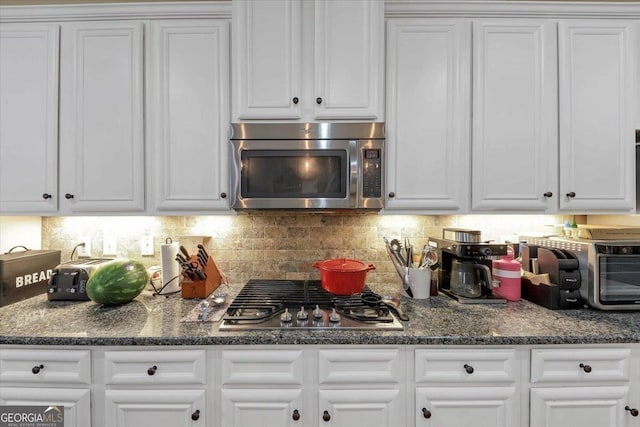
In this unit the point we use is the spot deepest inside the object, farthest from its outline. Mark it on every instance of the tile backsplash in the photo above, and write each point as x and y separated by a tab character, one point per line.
277	245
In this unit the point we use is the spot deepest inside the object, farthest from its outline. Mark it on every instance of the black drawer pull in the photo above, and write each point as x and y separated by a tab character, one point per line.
152	370
469	369
36	369
426	413
295	100
326	416
585	368
633	411
296	415
196	415
548	194
571	194
318	100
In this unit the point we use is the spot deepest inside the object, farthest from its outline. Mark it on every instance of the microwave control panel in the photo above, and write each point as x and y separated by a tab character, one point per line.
371	173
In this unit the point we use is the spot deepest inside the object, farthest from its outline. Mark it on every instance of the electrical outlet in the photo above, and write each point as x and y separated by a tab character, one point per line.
85	251
146	245
110	245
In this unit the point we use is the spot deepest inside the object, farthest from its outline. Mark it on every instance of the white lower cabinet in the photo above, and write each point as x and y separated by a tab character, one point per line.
329	386
588	387
464	387
159	408
579	407
154	387
365	407
466	406
60	378
265	406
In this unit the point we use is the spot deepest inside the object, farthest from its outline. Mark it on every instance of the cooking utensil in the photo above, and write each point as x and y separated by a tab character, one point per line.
393	250
342	276
394	303
429	257
185	252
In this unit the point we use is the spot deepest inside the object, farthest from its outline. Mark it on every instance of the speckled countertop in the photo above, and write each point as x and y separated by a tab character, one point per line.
155	320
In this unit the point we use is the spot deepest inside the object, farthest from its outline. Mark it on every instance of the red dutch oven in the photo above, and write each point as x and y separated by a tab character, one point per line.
343	276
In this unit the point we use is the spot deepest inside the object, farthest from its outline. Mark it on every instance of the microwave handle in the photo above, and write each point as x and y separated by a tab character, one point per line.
354	171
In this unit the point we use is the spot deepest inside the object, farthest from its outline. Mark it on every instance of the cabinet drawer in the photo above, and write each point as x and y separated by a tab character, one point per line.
562	365
155	367
359	366
262	367
465	366
45	366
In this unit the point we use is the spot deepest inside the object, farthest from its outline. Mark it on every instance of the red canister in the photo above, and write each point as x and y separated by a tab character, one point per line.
507	271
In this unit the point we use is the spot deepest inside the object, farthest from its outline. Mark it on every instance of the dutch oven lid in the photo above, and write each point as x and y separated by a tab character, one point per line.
343	265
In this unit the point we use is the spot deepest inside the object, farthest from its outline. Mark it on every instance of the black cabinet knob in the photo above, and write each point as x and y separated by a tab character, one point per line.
426	413
295	100
571	194
469	369
196	415
326	416
46	196
318	100
68	196
296	415
36	369
633	411
392	195
152	370
223	195
548	194
585	368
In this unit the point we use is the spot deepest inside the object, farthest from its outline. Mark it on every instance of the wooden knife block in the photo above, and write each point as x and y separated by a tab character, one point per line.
202	288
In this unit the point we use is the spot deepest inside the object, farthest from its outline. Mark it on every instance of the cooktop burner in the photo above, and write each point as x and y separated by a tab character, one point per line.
304	304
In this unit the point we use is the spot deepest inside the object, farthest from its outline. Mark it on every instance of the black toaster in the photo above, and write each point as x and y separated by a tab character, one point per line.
68	281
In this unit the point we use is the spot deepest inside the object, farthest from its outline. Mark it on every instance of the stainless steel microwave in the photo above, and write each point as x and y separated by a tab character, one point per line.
609	270
307	166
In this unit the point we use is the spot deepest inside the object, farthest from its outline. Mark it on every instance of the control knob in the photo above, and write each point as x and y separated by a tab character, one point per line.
286	316
302	314
317	313
334	316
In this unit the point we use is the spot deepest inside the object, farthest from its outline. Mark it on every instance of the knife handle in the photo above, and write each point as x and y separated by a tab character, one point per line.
185	252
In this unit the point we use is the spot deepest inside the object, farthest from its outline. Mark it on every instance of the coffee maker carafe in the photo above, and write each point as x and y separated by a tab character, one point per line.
468	278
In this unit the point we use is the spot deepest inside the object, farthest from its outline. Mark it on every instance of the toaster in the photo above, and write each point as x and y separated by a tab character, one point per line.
68	281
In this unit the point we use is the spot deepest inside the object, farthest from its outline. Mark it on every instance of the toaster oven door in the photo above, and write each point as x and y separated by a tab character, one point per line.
617	277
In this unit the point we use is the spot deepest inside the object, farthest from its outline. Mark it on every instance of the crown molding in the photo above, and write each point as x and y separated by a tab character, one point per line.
515	9
112	11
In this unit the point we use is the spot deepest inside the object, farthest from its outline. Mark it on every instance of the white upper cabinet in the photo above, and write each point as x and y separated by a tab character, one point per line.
101	117
29	118
599	74
514	137
188	114
428	75
310	60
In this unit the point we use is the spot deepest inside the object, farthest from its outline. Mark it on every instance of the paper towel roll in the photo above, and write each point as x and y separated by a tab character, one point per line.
170	268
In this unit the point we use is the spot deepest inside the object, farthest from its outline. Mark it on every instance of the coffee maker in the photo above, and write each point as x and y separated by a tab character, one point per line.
464	273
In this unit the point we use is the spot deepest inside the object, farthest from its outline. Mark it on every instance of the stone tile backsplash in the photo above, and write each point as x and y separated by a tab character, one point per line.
277	245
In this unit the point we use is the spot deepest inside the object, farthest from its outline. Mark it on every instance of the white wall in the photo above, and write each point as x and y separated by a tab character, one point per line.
20	230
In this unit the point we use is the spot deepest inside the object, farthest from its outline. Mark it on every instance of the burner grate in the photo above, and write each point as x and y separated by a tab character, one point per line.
263	301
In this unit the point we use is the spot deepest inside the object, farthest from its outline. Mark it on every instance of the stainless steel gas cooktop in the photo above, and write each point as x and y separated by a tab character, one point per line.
304	304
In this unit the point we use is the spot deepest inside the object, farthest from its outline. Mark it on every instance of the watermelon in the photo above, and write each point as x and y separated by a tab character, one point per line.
117	282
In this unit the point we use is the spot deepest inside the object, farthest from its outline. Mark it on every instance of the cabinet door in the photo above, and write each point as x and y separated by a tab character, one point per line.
29	117
428	102
599	76
371	408
102	164
188	114
267	60
159	408
467	406
262	407
76	402
349	59
579	407
514	140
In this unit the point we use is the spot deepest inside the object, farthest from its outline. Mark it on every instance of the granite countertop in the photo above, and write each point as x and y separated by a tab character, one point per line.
155	320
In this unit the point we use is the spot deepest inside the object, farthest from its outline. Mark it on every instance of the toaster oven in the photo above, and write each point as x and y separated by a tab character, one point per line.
609	270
